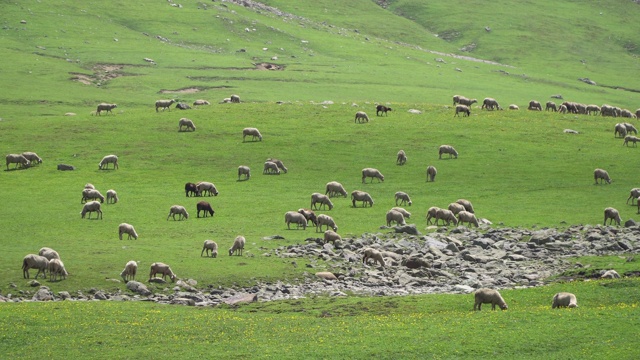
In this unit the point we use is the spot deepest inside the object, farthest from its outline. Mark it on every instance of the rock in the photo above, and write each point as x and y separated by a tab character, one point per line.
183	301
43	294
138	288
273	237
630	223
241	298
64	295
326	275
407	229
34	283
610	274
100	296
414	111
65	167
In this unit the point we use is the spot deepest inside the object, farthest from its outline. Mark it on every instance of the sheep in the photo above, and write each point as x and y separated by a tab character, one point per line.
210	246
164	104
244	170
464	109
374	254
65	167
296	218
551	106
200	102
513	107
630	138
310	216
562	109
191	189
205	207
403	197
361	116
467	205
446	215
633	194
564	299
467	217
431	214
326	220
49	253
35	159
466	102
431	173
630	129
395	216
627	114
178	210
234	99
279	163
109	159
128	229
401	158
183	106
163	269
612	215
270	168
331	236
608	110
593	109
358	195
610	274
91	194
637	113
255	133
207	187
129	272
90	207
534	105
447	149
488	296
89	186
620	131
56	267
323	200
187	123
602	175
333	188
238	246
372	173
456	98
455	208
382	109
112	196
490	104
33	261
17	159
404	212
105	107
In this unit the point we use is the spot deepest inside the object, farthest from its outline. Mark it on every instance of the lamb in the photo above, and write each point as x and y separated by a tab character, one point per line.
105	107
109	159
358	195
234	99
620	130
270	168
244	170
633	194
164	104
431	173
333	188
534	105
464	109
207	187
372	173
323	200
191	189
17	159
630	138
361	116
326	220
602	175
467	205
200	102
129	272
403	197
238	246
612	215
331	236
112	196
446	215
205	207
431	214
33	261
488	296
49	253
404	212
296	218
280	164
210	246
35	159
401	158
395	216
455	208
91	194
564	299
163	269
90	207
551	106
253	132
128	229
513	107
490	104
447	149
382	109
309	215
56	267
187	123
593	109
178	210
374	254
467	217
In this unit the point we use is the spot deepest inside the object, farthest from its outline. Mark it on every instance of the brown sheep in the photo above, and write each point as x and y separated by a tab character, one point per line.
205	207
382	109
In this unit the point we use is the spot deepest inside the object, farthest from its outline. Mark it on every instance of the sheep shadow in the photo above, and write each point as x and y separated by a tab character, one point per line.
240	180
16	169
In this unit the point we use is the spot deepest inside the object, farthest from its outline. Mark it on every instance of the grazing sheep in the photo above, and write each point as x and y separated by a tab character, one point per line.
33	261
630	129
464	109
49	253
374	254
331	236
401	158
326	220
56	267
90	207
372	173
201	102
455	208
164	104
446	215
534	105
467	205
129	272
178	210
403	197
431	173
270	168
205	207
593	109
163	269
238	246
382	109
207	187
551	106
109	159
620	130
488	296
358	195
89	186
112	196
280	164
361	116
431	214
395	216
187	123
602	175
35	159
630	138
128	229
564	299
253	132
404	212
191	189
17	159
490	104
467	217
234	99
608	110
612	215
563	109
633	194
610	274
296	218
333	188
244	170
309	215
637	114
447	149
105	107
627	114
323	200
513	107
91	194
210	246
466	102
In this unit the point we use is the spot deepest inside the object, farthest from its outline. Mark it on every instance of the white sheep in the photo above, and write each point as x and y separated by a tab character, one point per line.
91	194
612	215
455	208
401	158
513	107
564	299
326	220
602	175
279	163
105	107
620	131
488	296
89	186
205	187
109	159
467	205
201	102
187	123
633	194
90	207
361	116
403	197
630	138
593	109
33	261
296	218
395	216
630	129
210	246
464	109
129	272
404	212
49	253
467	217
374	254
447	149
178	210
446	215
363	196
234	99
238	245
164	104
333	188
163	269
270	168
35	159
490	104
534	105
372	173
323	200
128	229
431	214
17	159
465	101
56	267
112	196
610	274
253	132
431	173
244	170
331	236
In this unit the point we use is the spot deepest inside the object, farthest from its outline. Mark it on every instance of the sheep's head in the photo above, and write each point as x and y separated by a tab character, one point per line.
504	306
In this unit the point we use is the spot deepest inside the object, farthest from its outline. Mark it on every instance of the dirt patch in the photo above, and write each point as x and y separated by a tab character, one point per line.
101	74
189	90
268	66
